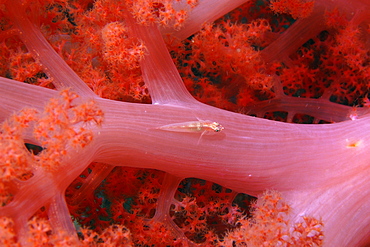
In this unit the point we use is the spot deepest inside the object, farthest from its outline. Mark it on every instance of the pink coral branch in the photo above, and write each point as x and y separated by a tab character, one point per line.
201	14
159	72
304	29
250	157
54	66
344	208
319	154
322	170
14	96
297	34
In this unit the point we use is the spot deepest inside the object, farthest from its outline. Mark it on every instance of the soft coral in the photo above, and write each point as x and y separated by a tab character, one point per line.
253	154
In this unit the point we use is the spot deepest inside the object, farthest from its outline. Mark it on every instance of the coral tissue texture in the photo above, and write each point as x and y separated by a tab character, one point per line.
184	123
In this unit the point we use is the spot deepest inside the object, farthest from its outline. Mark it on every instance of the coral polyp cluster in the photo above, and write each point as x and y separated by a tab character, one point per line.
90	89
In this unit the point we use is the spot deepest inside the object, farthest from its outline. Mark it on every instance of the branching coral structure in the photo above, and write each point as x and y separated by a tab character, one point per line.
258	98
